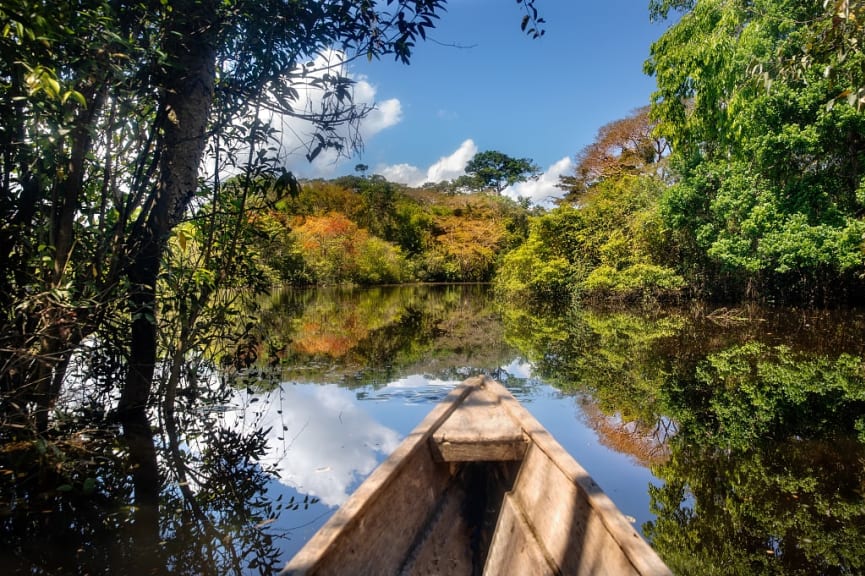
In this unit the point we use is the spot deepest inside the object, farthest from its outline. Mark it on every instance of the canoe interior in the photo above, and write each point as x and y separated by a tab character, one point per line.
479	487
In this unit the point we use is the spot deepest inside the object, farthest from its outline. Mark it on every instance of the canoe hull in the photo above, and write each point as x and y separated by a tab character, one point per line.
479	487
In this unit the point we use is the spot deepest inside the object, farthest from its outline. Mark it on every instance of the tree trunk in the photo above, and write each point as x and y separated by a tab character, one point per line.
187	94
186	97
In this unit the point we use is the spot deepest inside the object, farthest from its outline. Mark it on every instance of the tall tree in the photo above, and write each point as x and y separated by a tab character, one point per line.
497	171
108	111
624	146
769	136
118	121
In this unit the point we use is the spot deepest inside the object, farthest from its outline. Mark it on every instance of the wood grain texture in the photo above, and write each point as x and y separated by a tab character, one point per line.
480	431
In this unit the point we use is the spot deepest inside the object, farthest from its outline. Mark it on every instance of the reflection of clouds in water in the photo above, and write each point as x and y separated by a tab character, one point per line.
519	368
320	441
416	389
420	381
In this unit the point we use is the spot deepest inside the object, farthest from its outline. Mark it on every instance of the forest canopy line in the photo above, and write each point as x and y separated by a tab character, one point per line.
145	208
744	179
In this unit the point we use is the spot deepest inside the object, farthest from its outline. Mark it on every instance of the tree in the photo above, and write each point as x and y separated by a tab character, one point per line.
108	112
497	171
624	146
768	134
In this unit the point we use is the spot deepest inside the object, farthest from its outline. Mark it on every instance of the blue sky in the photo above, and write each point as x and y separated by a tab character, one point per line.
484	85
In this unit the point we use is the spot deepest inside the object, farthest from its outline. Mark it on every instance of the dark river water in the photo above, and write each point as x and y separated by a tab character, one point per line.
733	438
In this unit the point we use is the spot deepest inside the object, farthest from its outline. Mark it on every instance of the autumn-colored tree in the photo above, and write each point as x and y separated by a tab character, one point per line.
335	250
624	146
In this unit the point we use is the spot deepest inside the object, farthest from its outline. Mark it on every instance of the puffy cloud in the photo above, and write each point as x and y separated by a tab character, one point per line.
385	115
450	167
320	440
403	173
543	190
291	140
446	168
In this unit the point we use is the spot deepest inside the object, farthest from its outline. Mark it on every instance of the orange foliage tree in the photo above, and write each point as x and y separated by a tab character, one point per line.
624	146
335	250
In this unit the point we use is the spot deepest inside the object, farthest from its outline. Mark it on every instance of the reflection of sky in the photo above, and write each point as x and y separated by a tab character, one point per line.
320	441
420	381
324	440
518	368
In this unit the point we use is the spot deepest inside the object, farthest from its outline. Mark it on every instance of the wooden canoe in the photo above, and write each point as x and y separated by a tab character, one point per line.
479	487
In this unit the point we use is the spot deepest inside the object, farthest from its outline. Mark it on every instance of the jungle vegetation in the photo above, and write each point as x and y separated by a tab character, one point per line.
135	158
743	178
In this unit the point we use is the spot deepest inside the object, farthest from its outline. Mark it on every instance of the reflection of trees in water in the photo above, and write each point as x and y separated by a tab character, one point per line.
767	475
370	336
774	508
749	416
646	442
184	498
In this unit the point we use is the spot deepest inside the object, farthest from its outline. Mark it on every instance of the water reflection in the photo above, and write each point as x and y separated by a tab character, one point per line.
320	441
734	437
751	419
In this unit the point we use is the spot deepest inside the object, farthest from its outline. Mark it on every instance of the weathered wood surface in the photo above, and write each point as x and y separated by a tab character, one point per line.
373	530
580	527
480	431
515	549
440	548
410	516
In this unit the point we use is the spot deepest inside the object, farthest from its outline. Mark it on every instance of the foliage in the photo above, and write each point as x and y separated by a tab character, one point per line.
541	269
768	148
321	235
496	171
334	250
611	246
622	147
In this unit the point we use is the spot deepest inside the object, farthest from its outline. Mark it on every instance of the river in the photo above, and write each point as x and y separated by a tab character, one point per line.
732	437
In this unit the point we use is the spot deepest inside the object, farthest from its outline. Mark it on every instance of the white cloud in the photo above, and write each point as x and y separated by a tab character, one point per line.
543	190
385	115
446	168
293	135
450	167
402	173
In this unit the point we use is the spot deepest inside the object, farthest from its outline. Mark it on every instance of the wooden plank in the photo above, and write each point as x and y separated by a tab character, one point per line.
562	519
569	520
480	430
379	540
443	547
393	502
514	549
